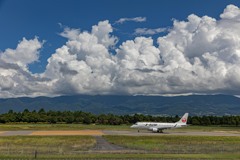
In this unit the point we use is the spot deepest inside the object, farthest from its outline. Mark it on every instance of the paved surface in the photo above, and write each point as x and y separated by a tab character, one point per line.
15	133
113	132
103	145
169	132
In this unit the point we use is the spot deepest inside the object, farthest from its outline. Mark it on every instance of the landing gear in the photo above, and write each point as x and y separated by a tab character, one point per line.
138	131
160	131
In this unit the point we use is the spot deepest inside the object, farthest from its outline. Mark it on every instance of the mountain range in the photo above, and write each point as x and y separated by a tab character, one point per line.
115	104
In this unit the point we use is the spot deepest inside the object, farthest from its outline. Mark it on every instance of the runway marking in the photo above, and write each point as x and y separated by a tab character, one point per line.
64	133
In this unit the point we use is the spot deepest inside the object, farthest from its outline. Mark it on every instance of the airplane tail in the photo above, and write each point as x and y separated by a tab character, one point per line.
184	118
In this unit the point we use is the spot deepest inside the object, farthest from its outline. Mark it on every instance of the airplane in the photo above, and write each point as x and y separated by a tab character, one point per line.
159	127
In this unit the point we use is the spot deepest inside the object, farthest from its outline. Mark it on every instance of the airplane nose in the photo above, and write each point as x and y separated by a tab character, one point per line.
132	126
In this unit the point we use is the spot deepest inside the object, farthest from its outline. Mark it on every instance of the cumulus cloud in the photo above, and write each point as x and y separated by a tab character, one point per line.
26	52
88	57
147	31
15	78
199	55
135	19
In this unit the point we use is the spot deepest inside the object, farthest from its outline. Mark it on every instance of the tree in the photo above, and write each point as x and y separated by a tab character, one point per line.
195	121
87	120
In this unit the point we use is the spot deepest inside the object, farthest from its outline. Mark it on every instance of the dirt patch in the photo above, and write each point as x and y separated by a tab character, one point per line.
63	133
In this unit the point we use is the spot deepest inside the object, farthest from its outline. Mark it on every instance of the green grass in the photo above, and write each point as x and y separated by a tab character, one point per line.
42	126
127	156
39	126
157	156
179	144
156	147
24	145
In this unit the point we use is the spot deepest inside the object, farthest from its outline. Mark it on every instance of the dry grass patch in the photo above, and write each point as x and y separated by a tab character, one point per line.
81	132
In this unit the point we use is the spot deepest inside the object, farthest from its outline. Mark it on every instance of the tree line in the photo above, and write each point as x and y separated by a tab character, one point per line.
43	116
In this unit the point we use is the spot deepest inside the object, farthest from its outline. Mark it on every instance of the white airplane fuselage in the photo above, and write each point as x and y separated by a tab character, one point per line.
159	127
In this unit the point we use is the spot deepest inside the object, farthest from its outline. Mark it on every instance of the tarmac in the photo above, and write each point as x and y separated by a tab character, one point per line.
116	132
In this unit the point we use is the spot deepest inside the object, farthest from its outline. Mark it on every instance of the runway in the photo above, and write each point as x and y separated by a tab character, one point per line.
169	132
116	132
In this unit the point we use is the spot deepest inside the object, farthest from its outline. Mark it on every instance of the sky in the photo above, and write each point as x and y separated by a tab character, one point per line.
105	47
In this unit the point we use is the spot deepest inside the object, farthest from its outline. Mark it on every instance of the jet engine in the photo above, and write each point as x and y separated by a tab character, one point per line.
154	129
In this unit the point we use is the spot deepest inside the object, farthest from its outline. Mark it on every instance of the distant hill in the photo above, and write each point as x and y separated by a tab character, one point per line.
154	105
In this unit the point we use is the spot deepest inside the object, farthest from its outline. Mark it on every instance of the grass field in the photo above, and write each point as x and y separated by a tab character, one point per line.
150	147
179	144
129	156
47	145
26	126
37	126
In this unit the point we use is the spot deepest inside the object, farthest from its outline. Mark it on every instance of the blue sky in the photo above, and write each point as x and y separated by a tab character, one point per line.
41	18
162	47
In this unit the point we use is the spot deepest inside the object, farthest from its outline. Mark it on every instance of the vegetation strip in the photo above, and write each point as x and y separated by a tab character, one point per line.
110	119
179	144
148	147
127	156
49	145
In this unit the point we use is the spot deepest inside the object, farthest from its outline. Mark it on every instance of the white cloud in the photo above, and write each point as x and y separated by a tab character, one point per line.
200	55
147	31
70	33
15	78
26	52
101	31
135	19
231	12
88	57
